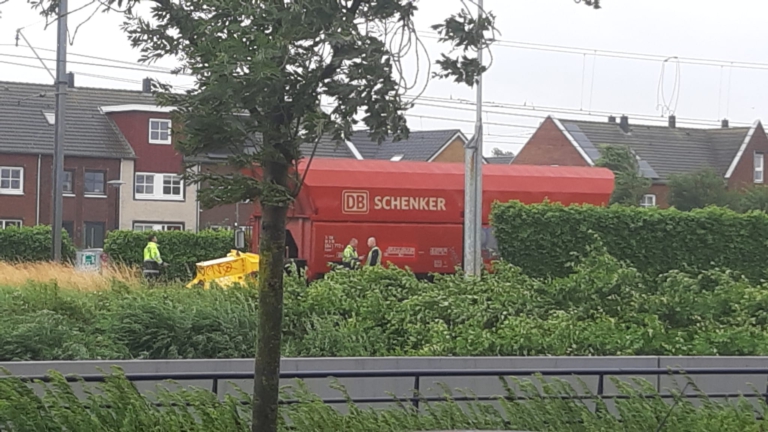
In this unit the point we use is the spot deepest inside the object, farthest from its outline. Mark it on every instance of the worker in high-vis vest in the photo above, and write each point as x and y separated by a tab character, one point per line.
374	255
350	259
152	259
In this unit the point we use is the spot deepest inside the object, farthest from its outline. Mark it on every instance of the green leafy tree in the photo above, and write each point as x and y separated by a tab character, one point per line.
262	69
699	189
754	198
630	185
496	152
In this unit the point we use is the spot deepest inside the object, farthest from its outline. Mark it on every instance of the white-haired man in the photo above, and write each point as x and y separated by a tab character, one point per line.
374	255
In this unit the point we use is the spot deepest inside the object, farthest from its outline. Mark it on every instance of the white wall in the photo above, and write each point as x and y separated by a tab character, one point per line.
154	211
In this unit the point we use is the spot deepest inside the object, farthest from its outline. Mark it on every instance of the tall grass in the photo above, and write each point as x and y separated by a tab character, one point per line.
116	405
65	275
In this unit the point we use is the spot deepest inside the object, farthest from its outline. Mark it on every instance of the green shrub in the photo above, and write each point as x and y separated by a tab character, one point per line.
604	307
181	249
32	244
543	238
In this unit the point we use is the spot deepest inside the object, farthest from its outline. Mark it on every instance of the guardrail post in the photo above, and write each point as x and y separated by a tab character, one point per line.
215	387
416	391
600	391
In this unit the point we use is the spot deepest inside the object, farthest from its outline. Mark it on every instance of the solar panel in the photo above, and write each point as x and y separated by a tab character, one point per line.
584	142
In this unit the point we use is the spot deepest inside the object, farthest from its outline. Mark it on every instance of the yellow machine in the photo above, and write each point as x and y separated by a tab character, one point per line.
232	269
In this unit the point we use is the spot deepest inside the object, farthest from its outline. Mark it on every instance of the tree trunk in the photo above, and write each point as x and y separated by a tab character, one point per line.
266	383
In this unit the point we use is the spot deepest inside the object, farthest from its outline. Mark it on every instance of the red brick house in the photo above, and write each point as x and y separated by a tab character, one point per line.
93	152
738	154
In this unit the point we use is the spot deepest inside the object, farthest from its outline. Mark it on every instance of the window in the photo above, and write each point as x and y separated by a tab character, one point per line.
172	186
159	131
759	168
7	223
50	117
397	157
145	184
649	200
69	227
159	226
94	235
11	180
159	187
94	183
69	185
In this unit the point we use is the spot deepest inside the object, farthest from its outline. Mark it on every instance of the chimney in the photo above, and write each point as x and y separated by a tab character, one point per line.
611	119
672	121
146	85
624	124
725	124
70	80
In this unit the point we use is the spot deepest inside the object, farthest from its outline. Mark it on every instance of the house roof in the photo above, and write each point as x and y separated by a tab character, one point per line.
326	148
419	146
89	133
500	160
662	151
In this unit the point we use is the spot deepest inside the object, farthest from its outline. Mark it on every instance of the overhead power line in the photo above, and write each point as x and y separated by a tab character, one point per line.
134	68
619	54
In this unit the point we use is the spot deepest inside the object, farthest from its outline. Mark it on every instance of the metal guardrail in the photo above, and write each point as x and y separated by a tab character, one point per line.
417	375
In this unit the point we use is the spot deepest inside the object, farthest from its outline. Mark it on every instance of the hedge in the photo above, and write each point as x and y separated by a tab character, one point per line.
543	239
32	244
180	249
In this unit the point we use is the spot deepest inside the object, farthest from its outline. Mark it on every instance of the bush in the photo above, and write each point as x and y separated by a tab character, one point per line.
604	308
181	249
542	238
32	244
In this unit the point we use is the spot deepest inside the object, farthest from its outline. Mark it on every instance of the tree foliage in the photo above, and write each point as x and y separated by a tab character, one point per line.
630	185
497	152
699	189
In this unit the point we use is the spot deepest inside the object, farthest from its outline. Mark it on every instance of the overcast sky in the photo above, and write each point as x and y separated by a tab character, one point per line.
560	78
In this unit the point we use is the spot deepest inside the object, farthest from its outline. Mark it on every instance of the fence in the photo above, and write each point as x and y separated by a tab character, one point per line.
416	376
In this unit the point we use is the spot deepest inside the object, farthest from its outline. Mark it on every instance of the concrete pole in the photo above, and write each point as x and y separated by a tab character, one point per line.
58	144
473	184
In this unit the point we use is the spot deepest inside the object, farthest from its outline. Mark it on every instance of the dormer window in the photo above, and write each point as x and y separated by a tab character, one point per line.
159	131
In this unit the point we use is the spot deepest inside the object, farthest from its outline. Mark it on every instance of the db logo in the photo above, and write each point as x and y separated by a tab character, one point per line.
355	202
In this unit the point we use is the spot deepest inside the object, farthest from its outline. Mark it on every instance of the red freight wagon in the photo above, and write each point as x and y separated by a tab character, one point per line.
415	209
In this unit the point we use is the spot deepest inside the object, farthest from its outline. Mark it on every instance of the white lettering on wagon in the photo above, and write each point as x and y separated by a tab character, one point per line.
408	203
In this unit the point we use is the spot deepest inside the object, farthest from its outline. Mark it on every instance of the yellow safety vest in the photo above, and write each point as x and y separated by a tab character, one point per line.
152	253
370	257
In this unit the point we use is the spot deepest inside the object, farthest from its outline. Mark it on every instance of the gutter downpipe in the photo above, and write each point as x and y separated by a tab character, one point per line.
37	195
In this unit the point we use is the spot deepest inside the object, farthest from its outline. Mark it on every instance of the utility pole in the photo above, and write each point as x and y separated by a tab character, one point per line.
473	183
59	117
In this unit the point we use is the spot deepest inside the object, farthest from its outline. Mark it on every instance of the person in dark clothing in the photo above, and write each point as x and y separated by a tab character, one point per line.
374	256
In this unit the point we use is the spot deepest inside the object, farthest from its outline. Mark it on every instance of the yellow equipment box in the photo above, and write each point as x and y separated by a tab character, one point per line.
234	268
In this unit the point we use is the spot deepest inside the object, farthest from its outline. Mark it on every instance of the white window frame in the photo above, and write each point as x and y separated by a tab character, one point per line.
103	186
10	190
159	226
159	131
5	223
70	192
648	201
758	174
157	187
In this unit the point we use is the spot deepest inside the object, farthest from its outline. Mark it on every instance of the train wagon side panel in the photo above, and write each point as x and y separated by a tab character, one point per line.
424	248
